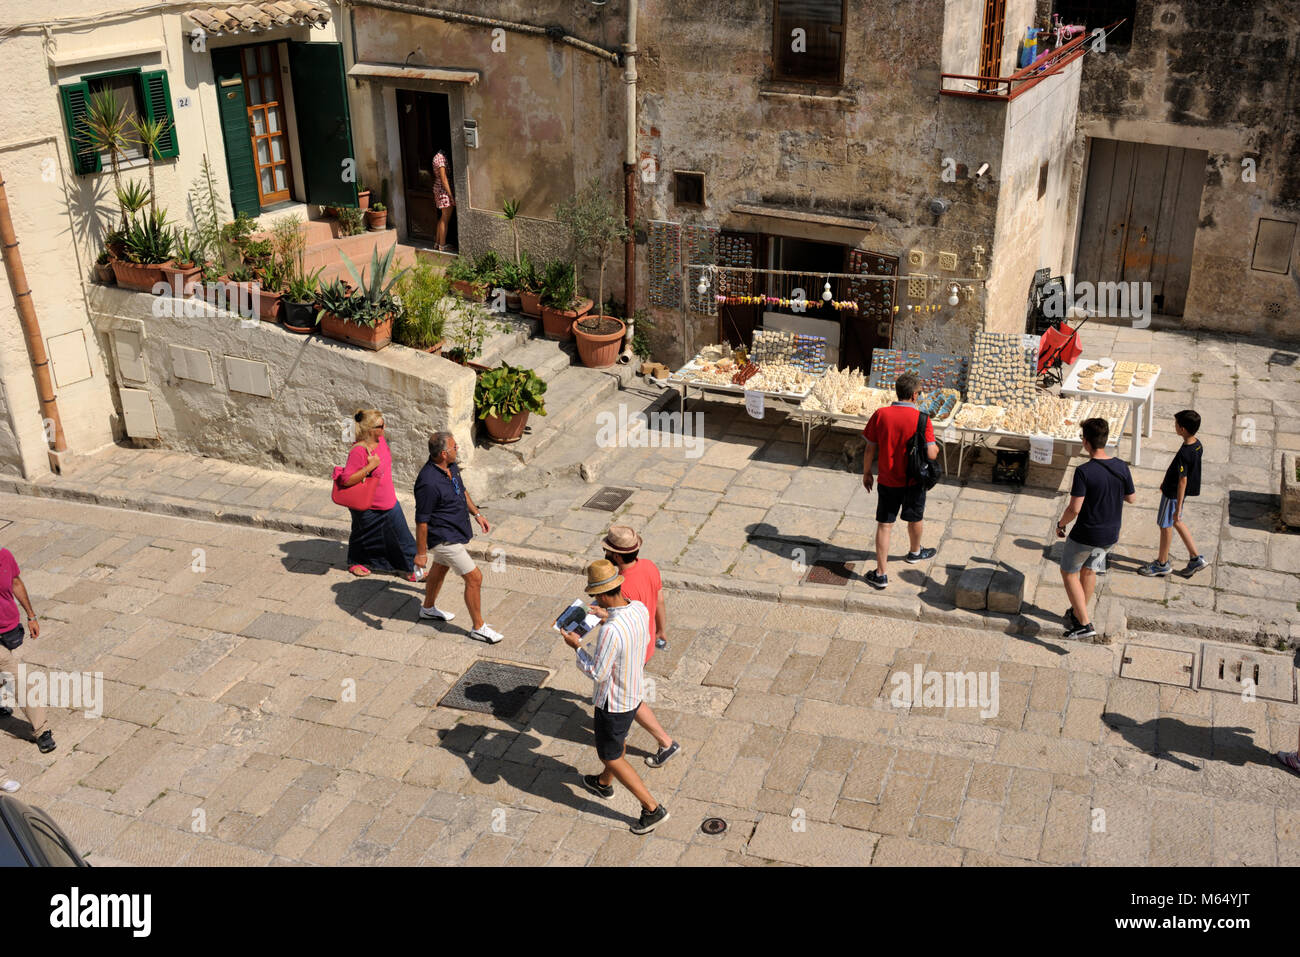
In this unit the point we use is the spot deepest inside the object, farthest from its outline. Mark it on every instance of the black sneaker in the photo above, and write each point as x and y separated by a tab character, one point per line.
650	820
876	580
1081	631
660	757
1070	618
592	783
660	644
46	742
6	712
923	555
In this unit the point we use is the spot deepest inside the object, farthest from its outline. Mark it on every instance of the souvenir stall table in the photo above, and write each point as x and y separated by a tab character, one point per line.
1133	383
1050	422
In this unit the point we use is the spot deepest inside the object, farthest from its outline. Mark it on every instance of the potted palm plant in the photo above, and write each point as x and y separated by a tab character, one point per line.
595	225
377	218
365	318
503	399
297	307
110	131
530	288
560	304
425	297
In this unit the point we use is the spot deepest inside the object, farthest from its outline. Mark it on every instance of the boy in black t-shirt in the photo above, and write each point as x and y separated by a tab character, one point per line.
1182	481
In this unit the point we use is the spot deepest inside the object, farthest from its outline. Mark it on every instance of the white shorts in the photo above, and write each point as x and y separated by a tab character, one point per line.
455	557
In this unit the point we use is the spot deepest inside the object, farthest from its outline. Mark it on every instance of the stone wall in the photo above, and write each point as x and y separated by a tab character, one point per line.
315	385
1221	76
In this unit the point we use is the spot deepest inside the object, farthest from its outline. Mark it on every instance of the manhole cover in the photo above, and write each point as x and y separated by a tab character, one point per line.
1229	669
830	573
608	499
713	825
1282	359
494	688
1161	665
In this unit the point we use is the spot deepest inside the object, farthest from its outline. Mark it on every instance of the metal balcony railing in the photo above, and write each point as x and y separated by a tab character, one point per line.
1049	63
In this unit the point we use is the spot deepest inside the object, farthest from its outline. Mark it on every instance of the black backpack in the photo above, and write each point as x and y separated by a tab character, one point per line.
921	470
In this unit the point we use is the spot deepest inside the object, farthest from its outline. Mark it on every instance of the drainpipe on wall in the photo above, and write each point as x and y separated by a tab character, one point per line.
629	182
32	330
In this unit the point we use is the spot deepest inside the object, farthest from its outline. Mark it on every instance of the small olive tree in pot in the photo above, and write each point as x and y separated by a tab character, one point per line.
596	226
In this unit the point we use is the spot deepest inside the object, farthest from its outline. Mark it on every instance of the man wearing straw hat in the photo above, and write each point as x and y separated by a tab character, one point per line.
641	582
618	670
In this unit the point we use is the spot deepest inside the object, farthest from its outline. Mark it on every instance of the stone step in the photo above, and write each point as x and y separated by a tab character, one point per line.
570	396
545	357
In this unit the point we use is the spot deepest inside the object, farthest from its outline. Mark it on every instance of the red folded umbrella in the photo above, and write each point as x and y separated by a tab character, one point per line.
1065	339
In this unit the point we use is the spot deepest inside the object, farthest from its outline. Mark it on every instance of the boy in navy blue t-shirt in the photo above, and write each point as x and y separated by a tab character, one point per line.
1182	481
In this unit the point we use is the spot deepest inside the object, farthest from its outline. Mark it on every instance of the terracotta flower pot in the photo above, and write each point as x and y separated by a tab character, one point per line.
436	350
363	199
104	273
268	305
505	432
239	297
376	221
367	337
297	317
139	276
530	303
558	323
473	291
599	350
182	279
514	300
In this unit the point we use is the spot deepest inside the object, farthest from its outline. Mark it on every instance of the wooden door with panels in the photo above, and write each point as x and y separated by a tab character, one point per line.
264	96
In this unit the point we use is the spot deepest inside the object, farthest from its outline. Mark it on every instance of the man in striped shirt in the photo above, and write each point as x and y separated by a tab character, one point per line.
618	669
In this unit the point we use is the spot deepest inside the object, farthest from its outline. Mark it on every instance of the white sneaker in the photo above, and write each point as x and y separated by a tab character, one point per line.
487	633
436	612
10	786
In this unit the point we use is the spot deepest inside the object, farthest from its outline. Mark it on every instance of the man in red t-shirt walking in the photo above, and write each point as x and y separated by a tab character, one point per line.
888	432
641	582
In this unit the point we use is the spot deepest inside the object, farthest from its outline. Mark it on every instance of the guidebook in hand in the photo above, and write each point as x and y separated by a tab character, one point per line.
576	619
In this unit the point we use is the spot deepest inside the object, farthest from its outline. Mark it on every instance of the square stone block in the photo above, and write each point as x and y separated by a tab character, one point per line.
973	587
1006	590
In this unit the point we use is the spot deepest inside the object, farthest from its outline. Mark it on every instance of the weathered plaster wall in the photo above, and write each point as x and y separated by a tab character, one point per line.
315	385
1033	232
1220	76
60	217
10	456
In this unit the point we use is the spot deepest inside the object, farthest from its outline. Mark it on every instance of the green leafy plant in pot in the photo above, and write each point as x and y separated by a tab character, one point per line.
424	292
297	307
465	280
366	317
559	300
503	399
530	287
148	245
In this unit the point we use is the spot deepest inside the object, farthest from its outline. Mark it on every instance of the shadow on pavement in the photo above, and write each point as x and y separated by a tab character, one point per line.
1162	737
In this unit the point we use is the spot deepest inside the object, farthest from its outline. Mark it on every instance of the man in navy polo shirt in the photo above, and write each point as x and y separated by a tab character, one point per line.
442	511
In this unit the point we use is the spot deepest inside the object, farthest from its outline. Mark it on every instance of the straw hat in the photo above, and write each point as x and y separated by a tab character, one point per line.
622	540
602	576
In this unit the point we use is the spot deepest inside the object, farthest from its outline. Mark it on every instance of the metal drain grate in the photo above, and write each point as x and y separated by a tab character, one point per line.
494	688
830	573
608	499
1228	669
1161	665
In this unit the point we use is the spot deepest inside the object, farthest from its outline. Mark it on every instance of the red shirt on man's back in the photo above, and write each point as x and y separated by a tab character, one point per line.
891	428
641	582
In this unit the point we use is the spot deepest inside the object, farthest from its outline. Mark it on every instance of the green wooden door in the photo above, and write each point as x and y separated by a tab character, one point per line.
320	99
234	132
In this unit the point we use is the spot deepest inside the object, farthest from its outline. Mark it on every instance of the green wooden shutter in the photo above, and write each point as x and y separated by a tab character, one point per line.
76	107
324	122
233	111
158	106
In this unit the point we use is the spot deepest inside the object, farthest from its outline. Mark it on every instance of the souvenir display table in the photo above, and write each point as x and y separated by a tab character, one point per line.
1133	383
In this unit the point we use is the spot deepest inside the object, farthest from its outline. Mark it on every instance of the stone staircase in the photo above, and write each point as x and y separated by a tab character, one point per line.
326	247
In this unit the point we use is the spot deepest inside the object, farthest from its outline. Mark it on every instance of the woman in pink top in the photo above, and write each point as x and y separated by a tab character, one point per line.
380	536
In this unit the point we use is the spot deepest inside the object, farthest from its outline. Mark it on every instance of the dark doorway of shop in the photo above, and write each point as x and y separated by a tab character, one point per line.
812	263
424	120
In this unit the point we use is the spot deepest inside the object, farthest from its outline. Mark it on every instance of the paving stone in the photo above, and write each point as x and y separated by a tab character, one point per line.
816	844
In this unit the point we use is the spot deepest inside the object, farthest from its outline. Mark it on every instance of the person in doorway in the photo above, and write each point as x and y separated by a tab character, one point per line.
618	670
1182	481
888	432
12	594
641	582
443	199
380	539
442	512
1098	492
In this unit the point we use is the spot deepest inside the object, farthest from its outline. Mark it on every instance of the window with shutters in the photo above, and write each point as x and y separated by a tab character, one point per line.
145	95
808	41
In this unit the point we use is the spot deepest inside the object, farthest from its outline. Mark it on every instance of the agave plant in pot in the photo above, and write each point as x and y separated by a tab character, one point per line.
298	305
560	304
149	246
596	225
503	399
365	318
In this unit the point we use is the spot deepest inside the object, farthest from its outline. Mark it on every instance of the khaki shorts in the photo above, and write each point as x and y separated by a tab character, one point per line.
455	557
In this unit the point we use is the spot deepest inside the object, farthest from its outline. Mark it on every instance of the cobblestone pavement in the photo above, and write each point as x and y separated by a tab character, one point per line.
228	736
746	512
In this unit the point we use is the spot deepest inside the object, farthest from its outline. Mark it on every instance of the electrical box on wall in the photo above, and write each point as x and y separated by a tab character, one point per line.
471	134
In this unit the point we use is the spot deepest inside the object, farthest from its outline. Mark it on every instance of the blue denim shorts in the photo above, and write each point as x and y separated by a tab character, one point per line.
1165	514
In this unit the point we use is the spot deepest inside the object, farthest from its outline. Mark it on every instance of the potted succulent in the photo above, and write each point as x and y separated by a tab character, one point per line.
464	280
352	221
297	306
365	317
187	265
596	225
560	304
148	246
511	281
425	296
377	218
104	268
530	288
503	399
